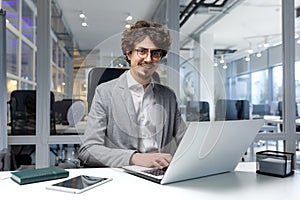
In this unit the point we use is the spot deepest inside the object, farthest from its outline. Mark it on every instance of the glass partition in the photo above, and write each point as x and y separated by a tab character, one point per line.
11	52
28	17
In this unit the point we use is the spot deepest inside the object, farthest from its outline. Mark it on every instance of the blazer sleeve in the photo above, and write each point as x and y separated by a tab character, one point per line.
180	126
93	151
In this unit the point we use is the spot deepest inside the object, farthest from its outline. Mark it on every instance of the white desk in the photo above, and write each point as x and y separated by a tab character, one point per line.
78	129
276	120
65	135
243	184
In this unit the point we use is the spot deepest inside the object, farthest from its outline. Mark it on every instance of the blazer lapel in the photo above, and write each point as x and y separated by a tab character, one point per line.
160	117
126	98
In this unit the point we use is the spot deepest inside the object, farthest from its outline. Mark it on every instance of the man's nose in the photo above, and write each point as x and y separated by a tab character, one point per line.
148	58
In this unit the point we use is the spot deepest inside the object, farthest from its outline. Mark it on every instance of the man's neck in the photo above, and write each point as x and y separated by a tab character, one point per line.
144	83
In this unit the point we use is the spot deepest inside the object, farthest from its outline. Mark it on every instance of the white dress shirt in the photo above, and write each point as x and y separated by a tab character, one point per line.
144	104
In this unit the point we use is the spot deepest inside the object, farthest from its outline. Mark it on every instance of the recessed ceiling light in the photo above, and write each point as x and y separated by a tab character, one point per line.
81	15
250	50
84	24
129	18
258	54
247	58
266	45
222	59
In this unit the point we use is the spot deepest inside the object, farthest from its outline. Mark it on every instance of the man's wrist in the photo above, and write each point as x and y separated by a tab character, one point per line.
132	158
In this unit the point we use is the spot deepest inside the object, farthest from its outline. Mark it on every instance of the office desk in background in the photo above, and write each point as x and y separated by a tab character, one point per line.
65	135
78	129
243	183
279	121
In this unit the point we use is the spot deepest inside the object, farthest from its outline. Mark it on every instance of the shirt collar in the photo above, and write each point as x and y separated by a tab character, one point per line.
132	83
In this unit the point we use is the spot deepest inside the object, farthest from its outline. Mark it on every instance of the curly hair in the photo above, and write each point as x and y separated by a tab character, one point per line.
140	30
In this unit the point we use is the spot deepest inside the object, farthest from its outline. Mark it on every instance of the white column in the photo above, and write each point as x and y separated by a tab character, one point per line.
173	54
206	69
288	47
3	87
43	82
70	79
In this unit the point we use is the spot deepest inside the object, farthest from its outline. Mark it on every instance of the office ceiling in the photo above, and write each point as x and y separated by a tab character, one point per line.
104	18
236	25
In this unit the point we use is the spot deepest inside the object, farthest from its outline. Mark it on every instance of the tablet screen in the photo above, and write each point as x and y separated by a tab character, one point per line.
80	182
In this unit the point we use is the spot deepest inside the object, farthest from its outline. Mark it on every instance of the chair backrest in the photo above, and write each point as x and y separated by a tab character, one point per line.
61	110
197	111
279	109
5	160
23	112
261	109
228	109
98	75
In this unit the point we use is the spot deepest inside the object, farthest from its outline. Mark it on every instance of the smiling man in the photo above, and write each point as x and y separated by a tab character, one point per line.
134	120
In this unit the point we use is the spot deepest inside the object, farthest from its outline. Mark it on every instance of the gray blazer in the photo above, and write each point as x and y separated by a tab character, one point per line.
111	135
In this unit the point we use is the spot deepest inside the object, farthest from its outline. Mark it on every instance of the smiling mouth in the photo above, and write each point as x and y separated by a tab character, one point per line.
147	66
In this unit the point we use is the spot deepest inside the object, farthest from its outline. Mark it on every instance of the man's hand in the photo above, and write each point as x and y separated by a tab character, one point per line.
158	160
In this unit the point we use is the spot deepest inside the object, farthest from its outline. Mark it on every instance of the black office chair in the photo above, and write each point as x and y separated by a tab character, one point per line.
197	111
23	112
279	112
98	75
261	109
22	105
229	109
61	110
5	160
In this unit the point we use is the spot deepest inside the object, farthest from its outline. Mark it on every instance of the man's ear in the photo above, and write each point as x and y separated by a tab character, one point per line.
128	55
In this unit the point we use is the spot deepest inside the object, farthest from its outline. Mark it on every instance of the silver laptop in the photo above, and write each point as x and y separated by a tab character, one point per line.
207	148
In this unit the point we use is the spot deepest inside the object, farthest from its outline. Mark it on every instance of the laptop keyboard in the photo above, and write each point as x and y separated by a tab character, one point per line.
156	171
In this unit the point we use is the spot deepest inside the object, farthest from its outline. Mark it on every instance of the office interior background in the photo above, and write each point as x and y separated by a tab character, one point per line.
221	50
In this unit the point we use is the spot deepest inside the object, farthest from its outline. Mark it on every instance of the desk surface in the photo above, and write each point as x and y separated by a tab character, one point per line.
78	129
277	120
243	183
